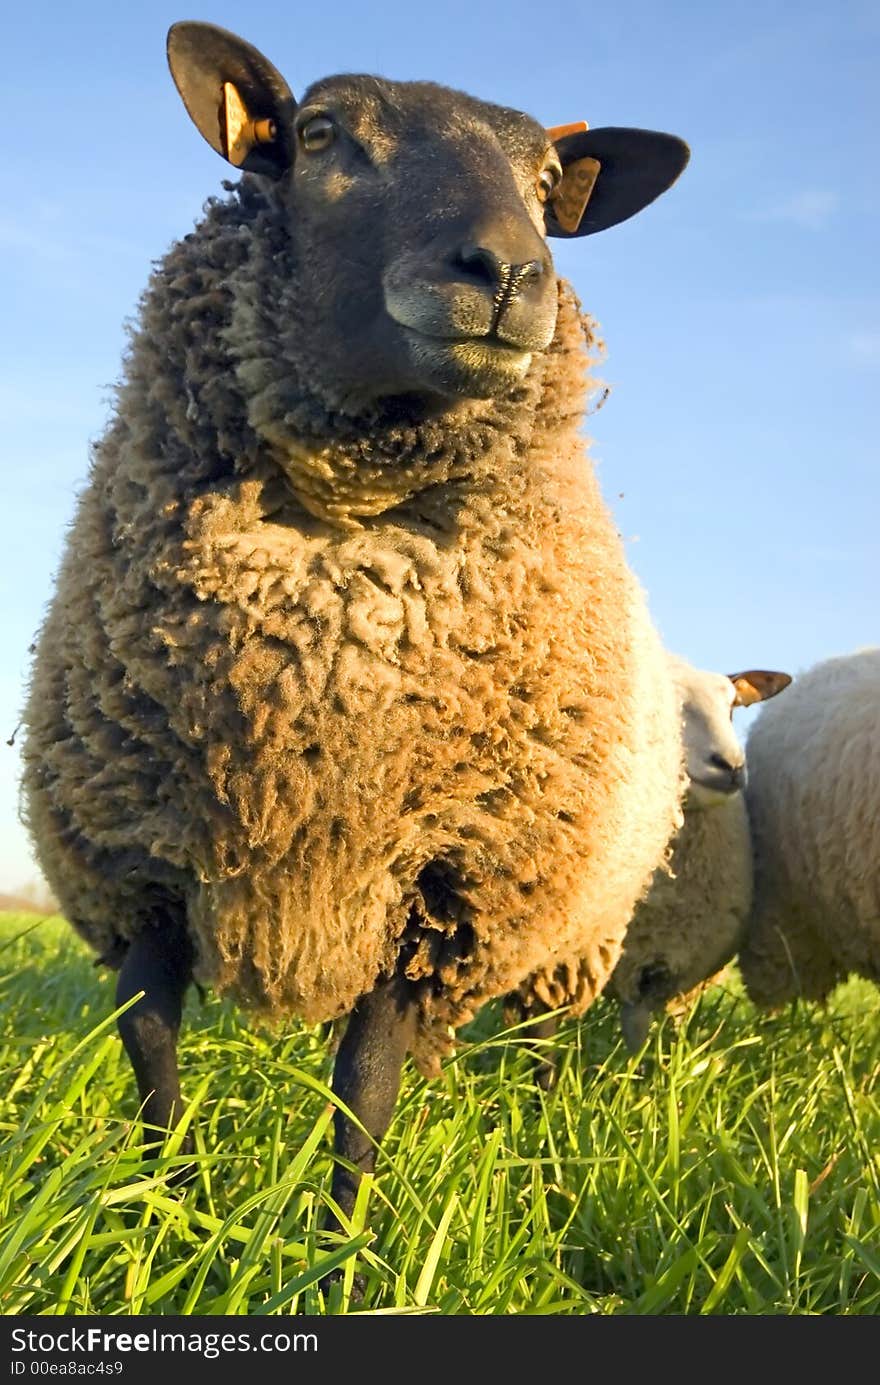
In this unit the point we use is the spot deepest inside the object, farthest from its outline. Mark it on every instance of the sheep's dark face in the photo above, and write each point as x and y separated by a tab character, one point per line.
650	985
418	215
421	215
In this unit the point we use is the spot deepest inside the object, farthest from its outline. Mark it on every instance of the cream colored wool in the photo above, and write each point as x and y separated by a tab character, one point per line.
691	922
814	803
355	704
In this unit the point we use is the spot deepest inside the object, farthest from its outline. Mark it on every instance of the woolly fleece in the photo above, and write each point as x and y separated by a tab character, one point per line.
691	923
354	695
814	802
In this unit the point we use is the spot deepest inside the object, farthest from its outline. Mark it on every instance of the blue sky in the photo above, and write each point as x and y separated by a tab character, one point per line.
740	312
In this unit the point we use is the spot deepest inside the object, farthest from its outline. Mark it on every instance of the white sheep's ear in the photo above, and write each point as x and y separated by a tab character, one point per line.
236	99
608	175
756	685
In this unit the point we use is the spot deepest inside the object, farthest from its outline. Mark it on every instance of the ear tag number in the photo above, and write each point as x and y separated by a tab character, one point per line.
240	132
574	192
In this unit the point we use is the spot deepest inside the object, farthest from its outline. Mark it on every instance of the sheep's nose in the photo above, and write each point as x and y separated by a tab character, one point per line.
482	264
736	772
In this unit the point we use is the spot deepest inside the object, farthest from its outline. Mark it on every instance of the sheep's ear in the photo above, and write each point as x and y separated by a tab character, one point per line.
756	685
608	175
235	97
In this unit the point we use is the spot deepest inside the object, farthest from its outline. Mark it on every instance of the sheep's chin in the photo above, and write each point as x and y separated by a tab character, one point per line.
706	795
473	367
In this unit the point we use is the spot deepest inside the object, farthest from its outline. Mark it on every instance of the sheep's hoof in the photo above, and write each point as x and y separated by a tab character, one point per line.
181	1175
546	1074
184	1175
358	1283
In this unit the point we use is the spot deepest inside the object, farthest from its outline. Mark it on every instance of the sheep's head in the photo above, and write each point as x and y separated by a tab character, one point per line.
714	759
421	213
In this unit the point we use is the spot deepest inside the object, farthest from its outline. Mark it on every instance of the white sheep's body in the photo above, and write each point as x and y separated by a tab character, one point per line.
814	802
691	921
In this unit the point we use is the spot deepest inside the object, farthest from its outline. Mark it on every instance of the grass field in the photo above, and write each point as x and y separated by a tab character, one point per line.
731	1170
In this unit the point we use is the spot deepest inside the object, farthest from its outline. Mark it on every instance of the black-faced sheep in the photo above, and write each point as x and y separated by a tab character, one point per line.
347	702
814	804
691	922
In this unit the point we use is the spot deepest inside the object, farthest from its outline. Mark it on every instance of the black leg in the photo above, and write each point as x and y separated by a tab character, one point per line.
367	1078
158	962
516	1010
545	1058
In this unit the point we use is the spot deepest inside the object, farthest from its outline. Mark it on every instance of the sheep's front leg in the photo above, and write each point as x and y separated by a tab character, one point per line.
367	1078
158	962
545	1058
542	1029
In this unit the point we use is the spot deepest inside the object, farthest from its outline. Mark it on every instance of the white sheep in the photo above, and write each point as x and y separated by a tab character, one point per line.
691	922
814	803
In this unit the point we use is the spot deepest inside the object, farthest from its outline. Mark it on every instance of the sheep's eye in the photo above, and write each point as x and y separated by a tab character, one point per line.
548	183
653	978
317	133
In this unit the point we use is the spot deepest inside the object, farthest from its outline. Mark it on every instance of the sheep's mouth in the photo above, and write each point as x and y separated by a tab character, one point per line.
489	340
478	339
720	784
479	366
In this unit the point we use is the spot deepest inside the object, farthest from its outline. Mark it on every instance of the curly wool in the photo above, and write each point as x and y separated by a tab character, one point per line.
354	696
692	920
814	803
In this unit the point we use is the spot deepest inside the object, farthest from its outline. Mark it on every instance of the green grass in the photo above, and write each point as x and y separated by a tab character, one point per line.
731	1170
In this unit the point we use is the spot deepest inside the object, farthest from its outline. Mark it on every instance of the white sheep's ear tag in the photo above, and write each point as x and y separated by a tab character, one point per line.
240	131
569	201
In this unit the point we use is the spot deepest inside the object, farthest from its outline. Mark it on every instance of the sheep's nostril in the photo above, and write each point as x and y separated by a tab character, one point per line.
719	762
736	774
483	264
527	274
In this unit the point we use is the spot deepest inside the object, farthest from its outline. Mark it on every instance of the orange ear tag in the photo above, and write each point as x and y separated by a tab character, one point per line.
240	132
560	131
574	192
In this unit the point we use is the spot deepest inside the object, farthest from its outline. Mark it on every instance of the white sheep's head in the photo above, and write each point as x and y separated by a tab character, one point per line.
714	758
421	213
